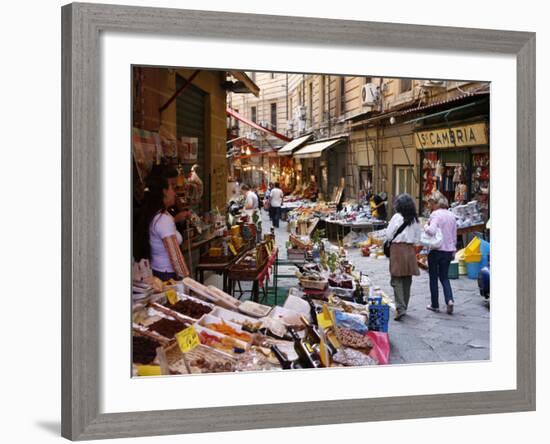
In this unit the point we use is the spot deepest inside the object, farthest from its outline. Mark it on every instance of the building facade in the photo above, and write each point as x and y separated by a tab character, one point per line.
380	124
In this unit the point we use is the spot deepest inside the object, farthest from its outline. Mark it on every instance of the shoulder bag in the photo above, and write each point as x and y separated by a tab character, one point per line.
387	243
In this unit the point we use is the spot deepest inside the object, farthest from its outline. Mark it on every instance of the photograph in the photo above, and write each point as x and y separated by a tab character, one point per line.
294	221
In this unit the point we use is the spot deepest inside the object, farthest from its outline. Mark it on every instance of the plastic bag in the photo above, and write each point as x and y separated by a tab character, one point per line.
381	346
432	242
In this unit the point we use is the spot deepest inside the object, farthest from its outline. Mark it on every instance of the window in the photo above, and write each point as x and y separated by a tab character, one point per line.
253	115
342	95
404	180
365	179
310	103
236	125
405	85
291	109
274	116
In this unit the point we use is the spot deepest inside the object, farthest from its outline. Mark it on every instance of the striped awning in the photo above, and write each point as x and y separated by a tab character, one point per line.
314	150
291	146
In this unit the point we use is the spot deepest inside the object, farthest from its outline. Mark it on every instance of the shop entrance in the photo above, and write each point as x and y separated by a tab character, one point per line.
191	122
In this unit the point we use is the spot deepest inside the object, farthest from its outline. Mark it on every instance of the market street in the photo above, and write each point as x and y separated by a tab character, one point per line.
332	158
421	336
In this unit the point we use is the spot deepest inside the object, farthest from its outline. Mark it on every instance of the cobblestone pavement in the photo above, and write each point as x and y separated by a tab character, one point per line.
421	336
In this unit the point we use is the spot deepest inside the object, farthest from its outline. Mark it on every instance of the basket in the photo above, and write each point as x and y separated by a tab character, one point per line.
181	364
379	315
295	254
314	285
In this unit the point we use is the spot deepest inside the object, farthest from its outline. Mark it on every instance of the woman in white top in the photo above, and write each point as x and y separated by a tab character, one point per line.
158	239
403	232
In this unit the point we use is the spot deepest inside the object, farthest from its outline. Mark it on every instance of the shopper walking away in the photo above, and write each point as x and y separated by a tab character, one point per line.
439	259
267	196
276	202
403	232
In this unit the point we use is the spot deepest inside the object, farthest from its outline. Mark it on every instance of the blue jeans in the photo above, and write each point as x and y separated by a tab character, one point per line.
438	265
276	216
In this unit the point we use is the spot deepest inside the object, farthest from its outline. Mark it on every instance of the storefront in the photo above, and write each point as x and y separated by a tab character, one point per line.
455	161
322	166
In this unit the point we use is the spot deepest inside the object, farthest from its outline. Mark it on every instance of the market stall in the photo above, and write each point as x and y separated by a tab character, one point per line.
333	317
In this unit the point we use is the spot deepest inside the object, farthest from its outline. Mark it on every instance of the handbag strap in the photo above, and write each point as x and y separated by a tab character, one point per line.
399	230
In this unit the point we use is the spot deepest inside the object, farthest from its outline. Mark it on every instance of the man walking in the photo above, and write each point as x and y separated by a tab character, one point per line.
276	202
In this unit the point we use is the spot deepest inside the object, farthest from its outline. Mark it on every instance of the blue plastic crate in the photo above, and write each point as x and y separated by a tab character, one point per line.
379	316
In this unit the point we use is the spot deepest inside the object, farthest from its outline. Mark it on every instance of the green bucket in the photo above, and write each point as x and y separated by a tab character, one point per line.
453	270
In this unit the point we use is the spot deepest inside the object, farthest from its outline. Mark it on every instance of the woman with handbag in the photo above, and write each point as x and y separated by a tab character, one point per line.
440	258
402	234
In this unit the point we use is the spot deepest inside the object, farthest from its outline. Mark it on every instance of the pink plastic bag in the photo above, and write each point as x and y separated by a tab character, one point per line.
381	346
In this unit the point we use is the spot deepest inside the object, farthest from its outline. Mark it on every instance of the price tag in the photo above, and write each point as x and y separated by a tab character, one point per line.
148	370
324	354
232	248
171	296
188	339
324	319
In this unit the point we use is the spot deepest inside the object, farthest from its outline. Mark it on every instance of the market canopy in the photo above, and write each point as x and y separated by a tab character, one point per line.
291	146
314	150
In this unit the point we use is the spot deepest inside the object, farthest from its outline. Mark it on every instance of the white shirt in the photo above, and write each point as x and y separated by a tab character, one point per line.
276	197
161	227
251	201
410	235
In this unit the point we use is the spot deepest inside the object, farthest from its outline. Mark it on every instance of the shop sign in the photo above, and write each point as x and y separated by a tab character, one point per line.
456	136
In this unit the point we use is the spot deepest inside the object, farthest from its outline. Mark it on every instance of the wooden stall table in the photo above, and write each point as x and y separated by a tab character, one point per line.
219	268
340	227
462	233
479	228
259	278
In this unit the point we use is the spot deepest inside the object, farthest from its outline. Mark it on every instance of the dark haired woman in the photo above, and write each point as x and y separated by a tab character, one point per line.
157	238
404	232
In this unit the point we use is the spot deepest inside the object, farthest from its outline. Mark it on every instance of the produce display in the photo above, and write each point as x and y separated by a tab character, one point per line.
167	327
224	336
190	308
144	350
229	331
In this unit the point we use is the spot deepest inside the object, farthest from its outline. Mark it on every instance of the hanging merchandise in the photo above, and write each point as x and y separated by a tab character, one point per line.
458	175
480	182
194	184
461	193
439	170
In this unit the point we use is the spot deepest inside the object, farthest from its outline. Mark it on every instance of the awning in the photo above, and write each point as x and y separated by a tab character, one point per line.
314	150
291	146
247	81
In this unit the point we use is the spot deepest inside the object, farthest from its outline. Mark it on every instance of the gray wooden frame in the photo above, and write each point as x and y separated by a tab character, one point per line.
81	230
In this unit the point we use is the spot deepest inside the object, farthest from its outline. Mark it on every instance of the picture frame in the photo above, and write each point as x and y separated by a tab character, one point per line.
81	206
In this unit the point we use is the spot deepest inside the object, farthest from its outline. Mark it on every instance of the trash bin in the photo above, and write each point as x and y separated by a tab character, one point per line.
472	252
473	269
459	257
485	250
453	270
